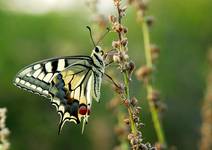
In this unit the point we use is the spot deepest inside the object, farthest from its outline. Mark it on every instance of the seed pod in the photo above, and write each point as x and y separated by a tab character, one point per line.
116	44
116	58
143	147
120	88
124	42
154	96
141	125
127	121
155	51
112	19
134	141
134	101
136	119
117	27
125	30
143	72
130	136
149	20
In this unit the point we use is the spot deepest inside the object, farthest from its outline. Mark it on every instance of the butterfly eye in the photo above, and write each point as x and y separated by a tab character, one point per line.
96	49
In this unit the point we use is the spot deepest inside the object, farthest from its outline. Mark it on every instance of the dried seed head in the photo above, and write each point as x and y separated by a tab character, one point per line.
112	19
136	119
141	125
124	8
142	5
148	145
119	88
108	56
126	102
116	3
143	72
139	134
116	58
130	136
155	51
134	101
127	121
134	141
124	42
117	27
125	30
150	20
116	44
137	110
143	147
154	96
130	68
122	13
123	56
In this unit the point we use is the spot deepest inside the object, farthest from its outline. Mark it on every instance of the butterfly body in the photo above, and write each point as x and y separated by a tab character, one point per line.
70	82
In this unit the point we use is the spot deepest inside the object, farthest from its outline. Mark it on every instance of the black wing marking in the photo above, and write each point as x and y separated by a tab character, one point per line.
71	93
37	77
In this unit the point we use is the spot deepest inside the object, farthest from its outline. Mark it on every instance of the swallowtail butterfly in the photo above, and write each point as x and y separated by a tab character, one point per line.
70	82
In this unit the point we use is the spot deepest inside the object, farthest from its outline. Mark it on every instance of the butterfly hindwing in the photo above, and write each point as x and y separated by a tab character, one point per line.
72	91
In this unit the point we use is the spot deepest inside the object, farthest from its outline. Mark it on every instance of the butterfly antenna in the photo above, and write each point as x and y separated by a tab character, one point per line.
102	37
91	36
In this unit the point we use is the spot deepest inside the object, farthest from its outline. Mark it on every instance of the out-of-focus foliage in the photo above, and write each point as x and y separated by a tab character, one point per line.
183	32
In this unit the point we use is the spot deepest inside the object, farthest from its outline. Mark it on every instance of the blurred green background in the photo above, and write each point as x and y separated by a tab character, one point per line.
182	29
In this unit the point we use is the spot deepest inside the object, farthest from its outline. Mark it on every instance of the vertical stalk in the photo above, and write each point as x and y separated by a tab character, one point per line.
153	110
132	123
126	78
206	112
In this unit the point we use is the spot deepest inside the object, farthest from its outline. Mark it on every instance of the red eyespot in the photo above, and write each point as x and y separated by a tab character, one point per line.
82	110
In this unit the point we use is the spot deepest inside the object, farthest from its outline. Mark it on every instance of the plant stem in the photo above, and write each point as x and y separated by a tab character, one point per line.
126	79
130	111
153	110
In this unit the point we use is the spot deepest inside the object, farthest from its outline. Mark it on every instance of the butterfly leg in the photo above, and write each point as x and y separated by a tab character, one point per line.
116	85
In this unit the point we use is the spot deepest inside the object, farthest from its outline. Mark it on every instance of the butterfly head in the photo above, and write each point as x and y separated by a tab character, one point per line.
97	56
98	51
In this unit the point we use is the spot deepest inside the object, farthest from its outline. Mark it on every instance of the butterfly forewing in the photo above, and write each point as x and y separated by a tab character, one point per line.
68	81
37	77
